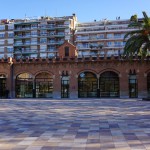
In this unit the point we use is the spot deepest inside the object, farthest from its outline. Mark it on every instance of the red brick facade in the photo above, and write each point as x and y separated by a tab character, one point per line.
74	66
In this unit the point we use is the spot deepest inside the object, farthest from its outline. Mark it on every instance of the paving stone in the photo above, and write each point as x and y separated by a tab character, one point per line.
74	124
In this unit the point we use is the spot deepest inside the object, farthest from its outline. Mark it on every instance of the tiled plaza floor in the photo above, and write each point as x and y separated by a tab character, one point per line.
82	124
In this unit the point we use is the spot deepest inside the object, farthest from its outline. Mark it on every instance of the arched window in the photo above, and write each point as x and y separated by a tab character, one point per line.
109	84
24	85
44	85
3	86
87	85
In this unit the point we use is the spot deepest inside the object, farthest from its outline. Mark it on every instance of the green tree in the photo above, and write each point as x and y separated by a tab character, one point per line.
138	40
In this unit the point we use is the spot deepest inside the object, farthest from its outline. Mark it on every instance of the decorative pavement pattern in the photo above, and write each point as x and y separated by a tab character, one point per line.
79	124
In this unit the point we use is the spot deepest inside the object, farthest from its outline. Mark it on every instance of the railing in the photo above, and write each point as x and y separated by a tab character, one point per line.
104	30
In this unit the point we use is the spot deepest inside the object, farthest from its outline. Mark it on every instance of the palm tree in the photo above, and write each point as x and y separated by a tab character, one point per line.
138	41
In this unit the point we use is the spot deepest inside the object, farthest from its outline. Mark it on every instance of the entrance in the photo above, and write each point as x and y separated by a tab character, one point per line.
109	84
24	86
133	86
65	87
44	85
87	85
2	86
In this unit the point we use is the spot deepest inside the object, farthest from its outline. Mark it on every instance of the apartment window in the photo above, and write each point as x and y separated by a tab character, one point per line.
109	43
2	27
9	55
34	33
43	48
33	47
79	45
2	35
43	55
1	55
124	43
101	36
109	36
10	27
1	49
34	26
51	55
2	41
92	37
10	35
10	49
34	41
10	41
43	32
66	51
85	45
110	52
67	22
117	35
86	53
27	42
43	40
117	43
33	55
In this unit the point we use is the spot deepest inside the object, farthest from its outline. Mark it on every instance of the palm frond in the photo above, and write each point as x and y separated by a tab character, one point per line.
131	33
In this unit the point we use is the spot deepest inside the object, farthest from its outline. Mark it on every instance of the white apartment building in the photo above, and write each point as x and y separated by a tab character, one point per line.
101	37
32	38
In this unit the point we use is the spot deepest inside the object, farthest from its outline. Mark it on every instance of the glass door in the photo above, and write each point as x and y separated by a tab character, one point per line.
87	85
24	86
133	86
109	84
44	85
44	88
65	87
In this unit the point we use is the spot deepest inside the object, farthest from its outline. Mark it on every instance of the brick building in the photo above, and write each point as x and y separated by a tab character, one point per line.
60	58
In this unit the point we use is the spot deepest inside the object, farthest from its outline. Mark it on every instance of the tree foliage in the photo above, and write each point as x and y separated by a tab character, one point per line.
138	40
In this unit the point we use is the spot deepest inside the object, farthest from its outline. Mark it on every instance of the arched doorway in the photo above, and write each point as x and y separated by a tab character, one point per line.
24	85
148	84
2	86
44	85
109	84
87	85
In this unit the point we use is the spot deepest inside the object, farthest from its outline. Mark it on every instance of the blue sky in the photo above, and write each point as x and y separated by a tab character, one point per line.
86	10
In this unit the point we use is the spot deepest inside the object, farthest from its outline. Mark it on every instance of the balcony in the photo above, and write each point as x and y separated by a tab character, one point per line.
22	36
22	44
35	35
61	27
89	39
26	52
22	29
34	43
52	50
103	31
115	46
43	34
55	42
18	44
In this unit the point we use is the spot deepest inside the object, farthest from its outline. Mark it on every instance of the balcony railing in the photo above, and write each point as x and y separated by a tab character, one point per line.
102	31
21	44
25	51
22	29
